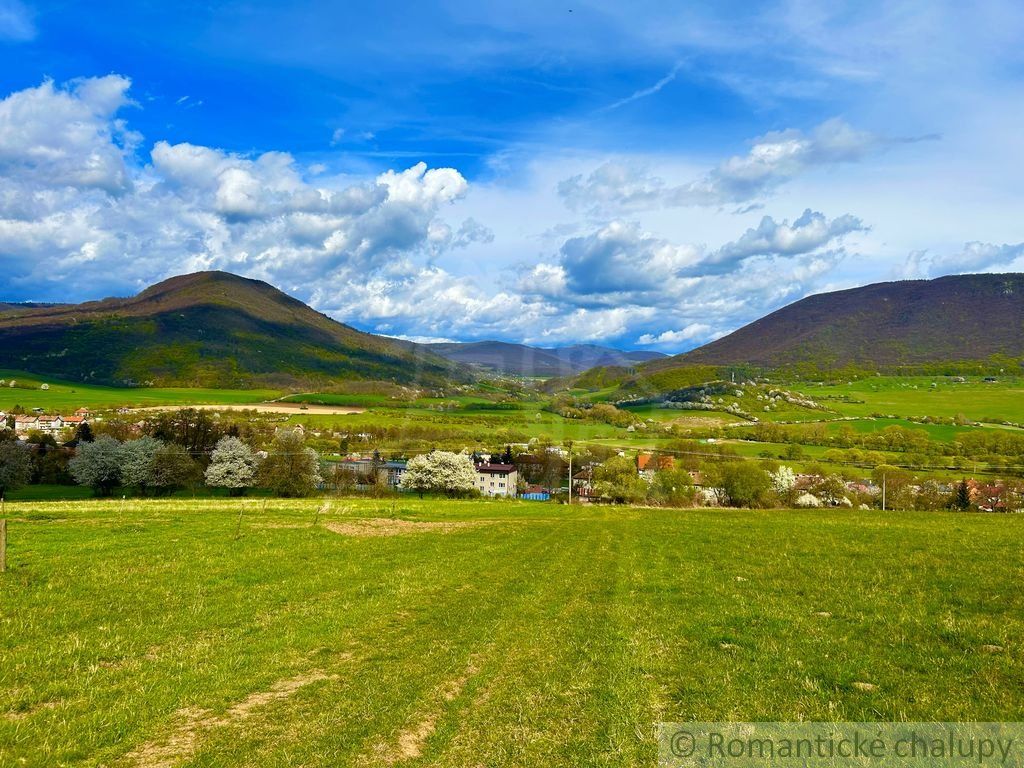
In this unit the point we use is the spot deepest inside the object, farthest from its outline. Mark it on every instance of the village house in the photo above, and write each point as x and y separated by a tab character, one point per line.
648	463
51	425
47	424
583	483
994	497
363	467
24	423
496	479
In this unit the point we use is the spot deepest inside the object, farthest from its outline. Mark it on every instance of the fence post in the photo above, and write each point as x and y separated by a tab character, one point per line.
3	545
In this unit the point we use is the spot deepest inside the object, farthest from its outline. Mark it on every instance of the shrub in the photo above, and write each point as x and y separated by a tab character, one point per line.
745	484
807	500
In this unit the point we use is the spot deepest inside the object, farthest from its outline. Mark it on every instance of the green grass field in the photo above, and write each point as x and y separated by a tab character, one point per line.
484	633
914	396
64	397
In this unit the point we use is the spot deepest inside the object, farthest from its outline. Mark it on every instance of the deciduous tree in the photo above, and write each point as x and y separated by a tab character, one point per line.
440	472
173	467
673	487
617	480
98	464
291	469
745	484
233	465
15	466
137	462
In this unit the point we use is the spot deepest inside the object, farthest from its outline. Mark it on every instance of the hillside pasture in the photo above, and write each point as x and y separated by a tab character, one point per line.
64	396
485	633
975	399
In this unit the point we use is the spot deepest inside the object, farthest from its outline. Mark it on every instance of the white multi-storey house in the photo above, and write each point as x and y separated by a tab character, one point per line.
496	479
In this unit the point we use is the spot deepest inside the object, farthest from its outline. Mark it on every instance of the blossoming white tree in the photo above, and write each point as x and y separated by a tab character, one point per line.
783	480
98	464
440	472
137	462
233	465
808	500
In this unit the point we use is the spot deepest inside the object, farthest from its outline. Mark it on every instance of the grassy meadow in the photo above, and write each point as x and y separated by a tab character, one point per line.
65	397
915	396
165	633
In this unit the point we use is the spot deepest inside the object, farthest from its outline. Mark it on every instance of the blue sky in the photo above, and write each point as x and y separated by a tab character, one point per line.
639	175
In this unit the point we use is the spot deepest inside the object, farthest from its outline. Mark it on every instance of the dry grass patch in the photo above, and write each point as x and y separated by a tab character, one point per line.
383	526
25	713
413	739
193	722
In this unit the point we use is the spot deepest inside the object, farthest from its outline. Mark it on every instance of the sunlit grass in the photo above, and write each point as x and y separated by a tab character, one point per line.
535	635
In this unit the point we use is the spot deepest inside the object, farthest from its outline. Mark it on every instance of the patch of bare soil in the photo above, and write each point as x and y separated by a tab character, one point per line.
383	526
21	715
193	722
412	740
698	421
297	409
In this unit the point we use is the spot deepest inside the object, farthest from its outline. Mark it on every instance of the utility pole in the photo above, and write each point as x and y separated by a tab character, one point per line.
569	444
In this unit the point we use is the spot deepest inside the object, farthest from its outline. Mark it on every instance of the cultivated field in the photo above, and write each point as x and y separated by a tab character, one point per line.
164	633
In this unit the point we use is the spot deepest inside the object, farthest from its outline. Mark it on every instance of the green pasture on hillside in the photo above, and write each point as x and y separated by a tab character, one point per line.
914	396
485	426
63	397
485	633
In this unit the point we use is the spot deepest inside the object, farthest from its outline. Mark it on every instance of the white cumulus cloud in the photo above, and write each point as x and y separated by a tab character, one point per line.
683	336
78	206
772	160
973	257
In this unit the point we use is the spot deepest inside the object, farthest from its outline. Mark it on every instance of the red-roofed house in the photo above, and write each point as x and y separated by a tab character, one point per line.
51	424
648	463
24	423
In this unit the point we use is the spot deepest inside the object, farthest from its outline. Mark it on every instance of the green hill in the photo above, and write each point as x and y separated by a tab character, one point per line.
883	326
206	329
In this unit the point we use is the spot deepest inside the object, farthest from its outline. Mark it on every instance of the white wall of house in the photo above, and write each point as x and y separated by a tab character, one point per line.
496	483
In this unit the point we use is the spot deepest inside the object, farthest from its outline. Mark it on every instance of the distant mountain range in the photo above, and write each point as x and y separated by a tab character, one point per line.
523	360
218	329
207	329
